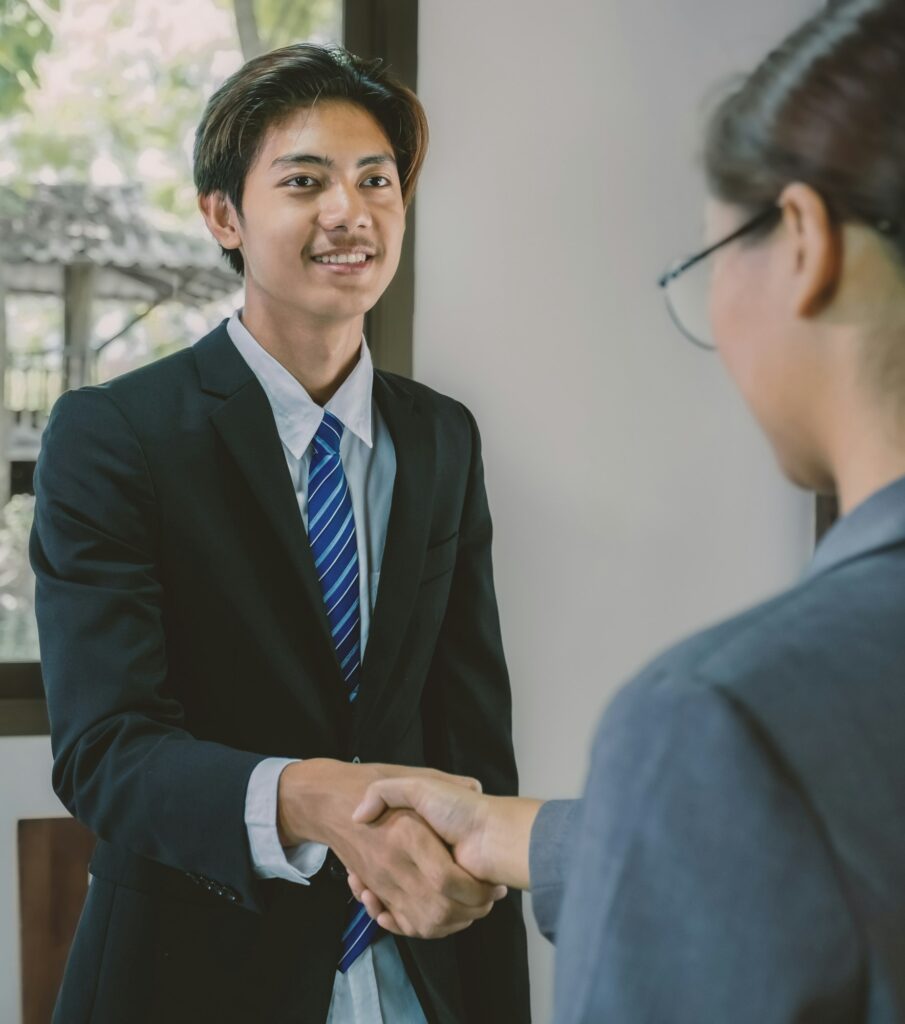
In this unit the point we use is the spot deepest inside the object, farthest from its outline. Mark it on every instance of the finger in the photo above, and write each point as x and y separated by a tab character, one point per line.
356	885
459	887
480	912
441	872
410	791
389	923
398	922
371	903
417	908
500	893
464	781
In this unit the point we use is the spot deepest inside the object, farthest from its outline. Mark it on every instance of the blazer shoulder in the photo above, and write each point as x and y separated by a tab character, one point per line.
807	669
149	382
756	643
425	397
153	398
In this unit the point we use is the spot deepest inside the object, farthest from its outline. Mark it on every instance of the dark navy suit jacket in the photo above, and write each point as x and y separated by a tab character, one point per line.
184	638
739	853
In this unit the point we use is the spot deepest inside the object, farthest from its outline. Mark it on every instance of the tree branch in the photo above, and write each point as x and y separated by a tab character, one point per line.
247	28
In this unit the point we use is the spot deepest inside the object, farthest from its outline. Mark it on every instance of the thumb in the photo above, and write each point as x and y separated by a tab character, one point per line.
464	781
382	795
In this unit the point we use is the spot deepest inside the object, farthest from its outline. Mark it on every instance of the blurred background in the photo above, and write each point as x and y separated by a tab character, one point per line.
633	498
105	263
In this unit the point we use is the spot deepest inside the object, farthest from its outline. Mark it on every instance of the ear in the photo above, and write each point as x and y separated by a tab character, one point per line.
816	248
221	218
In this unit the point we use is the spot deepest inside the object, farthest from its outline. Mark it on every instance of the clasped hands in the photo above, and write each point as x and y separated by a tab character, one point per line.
418	843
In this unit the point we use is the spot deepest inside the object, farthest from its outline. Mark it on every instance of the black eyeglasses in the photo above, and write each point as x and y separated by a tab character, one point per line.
688	294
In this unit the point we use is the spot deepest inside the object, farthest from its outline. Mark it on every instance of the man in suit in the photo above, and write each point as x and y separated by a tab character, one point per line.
264	576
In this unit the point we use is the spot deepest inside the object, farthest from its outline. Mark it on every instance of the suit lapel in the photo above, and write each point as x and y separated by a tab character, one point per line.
245	424
247	429
407	536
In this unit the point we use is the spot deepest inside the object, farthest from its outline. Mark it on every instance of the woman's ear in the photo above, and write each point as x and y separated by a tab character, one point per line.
221	218
815	249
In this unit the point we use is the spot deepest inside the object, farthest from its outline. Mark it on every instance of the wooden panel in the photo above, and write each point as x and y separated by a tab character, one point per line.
53	881
24	718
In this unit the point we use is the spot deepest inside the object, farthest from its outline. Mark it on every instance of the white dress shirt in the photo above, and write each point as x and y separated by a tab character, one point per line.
376	989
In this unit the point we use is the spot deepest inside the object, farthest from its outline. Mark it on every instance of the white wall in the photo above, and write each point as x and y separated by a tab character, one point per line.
633	498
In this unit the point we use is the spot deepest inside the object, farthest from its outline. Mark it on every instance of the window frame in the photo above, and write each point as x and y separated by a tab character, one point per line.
388	29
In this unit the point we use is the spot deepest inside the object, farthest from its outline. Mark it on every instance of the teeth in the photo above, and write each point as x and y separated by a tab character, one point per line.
354	257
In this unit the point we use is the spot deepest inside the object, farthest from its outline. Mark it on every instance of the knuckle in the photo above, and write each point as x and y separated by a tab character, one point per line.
439	877
400	827
384	878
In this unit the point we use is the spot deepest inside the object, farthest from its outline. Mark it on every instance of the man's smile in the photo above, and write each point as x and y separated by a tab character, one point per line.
345	261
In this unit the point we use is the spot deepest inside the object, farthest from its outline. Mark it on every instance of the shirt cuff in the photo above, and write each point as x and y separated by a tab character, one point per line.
552	841
269	858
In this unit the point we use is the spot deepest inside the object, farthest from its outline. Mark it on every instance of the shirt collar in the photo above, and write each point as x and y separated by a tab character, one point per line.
296	413
878	522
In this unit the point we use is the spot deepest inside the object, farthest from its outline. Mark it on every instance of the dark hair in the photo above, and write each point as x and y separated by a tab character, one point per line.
273	86
824	108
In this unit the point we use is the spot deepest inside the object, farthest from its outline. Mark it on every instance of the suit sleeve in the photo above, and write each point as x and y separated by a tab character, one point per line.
701	887
469	679
124	764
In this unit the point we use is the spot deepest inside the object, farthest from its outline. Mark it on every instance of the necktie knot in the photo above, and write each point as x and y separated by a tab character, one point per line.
329	434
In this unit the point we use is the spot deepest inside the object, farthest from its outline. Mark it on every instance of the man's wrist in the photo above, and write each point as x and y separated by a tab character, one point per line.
303	797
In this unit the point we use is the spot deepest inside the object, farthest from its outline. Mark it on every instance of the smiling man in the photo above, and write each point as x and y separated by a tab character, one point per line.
264	578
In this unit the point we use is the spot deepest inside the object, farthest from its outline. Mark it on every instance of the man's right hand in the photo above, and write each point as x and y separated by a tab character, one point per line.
490	836
399	858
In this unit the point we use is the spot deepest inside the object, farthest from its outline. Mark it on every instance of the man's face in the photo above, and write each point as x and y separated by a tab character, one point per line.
322	214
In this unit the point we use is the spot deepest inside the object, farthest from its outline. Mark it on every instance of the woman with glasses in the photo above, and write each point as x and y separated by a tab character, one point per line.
739	852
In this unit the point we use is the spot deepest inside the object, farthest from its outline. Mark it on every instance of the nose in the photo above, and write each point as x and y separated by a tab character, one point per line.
343	208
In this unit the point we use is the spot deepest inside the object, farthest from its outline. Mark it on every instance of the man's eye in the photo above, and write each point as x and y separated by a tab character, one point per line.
377	181
302	181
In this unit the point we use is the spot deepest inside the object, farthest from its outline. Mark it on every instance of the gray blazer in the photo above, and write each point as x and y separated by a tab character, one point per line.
739	852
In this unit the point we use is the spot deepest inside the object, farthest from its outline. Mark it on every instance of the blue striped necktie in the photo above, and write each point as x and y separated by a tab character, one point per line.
331	532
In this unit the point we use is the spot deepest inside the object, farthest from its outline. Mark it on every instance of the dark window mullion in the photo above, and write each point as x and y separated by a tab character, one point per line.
389	29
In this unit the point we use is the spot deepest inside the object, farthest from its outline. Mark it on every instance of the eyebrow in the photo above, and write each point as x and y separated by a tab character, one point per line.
292	159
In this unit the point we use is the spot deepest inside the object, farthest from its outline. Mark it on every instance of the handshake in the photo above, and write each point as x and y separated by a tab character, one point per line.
427	853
